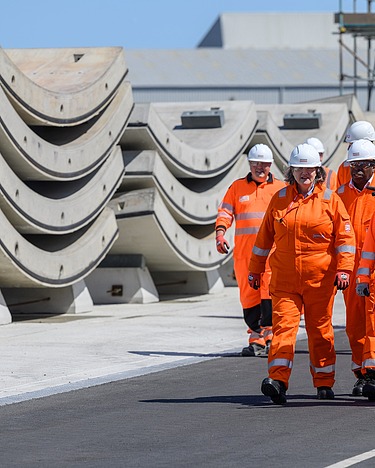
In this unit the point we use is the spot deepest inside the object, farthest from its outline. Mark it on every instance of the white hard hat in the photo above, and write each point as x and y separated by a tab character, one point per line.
361	150
316	143
304	156
260	153
360	130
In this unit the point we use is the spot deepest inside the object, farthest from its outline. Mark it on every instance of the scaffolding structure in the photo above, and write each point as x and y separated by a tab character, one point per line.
359	26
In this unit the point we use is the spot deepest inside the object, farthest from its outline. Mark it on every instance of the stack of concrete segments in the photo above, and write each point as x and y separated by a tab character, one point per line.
174	181
63	112
176	175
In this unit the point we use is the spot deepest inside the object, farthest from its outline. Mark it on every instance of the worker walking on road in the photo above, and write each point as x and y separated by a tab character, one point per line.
245	203
360	130
314	255
331	176
365	289
360	205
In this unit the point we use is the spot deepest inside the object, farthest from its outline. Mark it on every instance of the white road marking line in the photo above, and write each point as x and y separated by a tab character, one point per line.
353	460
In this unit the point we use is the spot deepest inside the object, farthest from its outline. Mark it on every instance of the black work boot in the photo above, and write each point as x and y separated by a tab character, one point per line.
325	393
275	389
368	389
358	386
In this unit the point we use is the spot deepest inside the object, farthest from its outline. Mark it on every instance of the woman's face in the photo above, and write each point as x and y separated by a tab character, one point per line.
260	170
304	177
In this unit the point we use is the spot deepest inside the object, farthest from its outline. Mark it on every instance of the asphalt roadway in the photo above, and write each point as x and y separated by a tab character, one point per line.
164	385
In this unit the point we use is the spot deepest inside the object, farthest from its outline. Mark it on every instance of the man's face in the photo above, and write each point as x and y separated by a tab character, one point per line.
260	170
361	171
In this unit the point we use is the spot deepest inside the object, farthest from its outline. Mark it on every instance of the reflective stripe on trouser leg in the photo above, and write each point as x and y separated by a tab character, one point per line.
256	338
267	333
318	304
285	317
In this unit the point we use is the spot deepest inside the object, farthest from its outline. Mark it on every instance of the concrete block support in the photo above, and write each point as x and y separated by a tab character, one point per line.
122	286
73	299
122	279
5	316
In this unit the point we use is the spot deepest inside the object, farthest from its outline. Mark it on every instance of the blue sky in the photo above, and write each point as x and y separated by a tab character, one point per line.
132	24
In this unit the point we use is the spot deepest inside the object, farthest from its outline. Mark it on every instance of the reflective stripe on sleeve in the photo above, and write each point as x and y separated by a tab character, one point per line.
261	252
363	272
226	206
323	370
346	248
281	362
368	255
242	231
256	215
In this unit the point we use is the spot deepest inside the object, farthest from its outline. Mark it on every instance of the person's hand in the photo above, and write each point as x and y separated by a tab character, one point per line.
342	280
222	245
254	280
362	289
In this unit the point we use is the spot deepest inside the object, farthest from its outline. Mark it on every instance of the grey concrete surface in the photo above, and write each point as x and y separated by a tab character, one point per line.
48	354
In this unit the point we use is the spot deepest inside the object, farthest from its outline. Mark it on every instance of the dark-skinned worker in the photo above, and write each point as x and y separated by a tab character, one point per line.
331	176
314	256
244	204
360	130
360	204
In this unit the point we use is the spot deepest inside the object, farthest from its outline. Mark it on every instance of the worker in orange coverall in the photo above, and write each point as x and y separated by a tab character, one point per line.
314	255
331	176
245	203
360	204
365	288
360	130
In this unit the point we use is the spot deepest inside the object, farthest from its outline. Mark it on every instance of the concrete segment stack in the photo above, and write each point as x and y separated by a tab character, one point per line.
63	112
104	201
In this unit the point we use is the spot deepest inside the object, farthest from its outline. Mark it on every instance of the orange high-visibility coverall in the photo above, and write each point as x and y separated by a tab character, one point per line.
245	202
343	174
314	239
365	274
331	179
360	205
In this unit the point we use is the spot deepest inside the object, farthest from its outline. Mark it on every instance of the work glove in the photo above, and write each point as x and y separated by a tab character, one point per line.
362	289
254	280
342	280
222	245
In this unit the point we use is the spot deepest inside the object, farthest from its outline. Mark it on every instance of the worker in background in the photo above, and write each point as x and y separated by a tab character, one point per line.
360	205
245	203
331	176
365	289
360	130
313	256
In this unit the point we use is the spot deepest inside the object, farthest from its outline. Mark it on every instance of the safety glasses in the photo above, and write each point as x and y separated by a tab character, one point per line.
361	165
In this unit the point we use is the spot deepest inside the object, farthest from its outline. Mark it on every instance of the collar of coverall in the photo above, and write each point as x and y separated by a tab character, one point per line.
268	181
316	188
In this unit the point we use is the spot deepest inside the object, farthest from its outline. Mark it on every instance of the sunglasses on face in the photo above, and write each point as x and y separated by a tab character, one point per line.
361	165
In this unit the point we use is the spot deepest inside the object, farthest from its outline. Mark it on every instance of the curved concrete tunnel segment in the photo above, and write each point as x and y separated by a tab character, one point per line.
65	86
147	227
197	152
33	158
31	212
